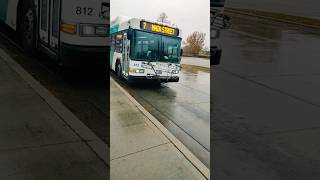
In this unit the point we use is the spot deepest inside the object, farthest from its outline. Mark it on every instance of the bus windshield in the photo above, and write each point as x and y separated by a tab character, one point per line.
155	47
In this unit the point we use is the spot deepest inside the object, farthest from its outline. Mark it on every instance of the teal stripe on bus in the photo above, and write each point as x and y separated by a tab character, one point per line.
114	29
3	9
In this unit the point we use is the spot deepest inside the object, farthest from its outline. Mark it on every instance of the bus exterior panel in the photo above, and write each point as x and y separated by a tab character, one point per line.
6	14
85	15
90	40
133	69
66	29
164	71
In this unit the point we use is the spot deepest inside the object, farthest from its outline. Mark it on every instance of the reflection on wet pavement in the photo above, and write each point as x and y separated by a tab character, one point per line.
284	54
266	102
183	107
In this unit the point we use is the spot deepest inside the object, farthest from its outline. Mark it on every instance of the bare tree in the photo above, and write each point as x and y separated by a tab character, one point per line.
195	43
163	18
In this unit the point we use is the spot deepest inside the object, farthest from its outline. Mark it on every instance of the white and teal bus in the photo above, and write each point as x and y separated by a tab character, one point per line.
144	50
70	31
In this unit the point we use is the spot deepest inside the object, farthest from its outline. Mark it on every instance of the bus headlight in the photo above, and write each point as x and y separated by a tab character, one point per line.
140	71
69	28
87	30
175	72
134	70
93	30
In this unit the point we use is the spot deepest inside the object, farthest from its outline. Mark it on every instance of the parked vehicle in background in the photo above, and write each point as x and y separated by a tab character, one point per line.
218	21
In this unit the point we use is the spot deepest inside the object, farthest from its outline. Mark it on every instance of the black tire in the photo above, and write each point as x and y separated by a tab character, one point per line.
119	70
27	28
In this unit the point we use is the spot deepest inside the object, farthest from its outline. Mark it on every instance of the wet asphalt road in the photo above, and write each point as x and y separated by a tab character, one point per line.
306	8
266	103
183	107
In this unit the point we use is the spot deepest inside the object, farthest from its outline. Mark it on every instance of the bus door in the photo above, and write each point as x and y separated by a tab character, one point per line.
125	53
49	18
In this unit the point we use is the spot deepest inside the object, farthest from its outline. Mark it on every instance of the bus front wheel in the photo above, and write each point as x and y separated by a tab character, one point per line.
119	70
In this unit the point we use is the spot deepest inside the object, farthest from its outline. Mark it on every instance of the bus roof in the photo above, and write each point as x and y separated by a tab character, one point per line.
124	22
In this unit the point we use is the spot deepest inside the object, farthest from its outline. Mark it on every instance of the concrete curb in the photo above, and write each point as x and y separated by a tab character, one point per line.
184	150
85	134
270	18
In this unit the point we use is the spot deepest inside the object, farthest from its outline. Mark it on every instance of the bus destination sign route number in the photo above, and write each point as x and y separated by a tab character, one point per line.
159	28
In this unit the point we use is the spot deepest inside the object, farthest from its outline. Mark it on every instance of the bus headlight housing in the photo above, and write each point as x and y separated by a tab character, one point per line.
140	71
175	72
134	70
87	30
93	30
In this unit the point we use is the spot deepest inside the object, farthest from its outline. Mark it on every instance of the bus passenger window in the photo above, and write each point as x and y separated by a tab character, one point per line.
55	18
44	15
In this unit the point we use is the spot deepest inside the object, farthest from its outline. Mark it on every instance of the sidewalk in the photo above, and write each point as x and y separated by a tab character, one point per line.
40	138
140	149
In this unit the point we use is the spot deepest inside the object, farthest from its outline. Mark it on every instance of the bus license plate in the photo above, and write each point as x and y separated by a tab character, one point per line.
158	71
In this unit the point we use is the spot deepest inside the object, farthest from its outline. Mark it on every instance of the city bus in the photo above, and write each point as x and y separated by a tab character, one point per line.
69	31
143	50
218	21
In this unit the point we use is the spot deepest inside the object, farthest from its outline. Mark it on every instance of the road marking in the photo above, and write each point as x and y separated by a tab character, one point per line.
183	149
253	36
85	134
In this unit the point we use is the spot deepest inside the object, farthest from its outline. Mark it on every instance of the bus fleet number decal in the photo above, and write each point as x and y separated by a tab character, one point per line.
84	11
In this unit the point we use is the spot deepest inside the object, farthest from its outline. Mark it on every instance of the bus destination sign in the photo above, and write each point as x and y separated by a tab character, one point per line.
159	28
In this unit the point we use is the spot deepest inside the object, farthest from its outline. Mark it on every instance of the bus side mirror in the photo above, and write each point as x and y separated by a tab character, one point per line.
181	52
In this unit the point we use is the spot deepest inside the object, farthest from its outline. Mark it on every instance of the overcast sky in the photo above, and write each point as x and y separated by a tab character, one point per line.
189	15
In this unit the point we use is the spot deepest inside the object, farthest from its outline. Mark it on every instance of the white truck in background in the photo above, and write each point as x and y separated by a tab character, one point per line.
218	21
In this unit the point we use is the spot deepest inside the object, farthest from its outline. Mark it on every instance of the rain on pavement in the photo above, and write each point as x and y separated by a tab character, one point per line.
183	107
266	102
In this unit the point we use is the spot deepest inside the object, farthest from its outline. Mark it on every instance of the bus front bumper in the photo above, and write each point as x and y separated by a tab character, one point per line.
141	79
74	55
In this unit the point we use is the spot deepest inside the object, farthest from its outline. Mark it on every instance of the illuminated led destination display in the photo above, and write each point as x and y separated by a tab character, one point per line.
159	28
